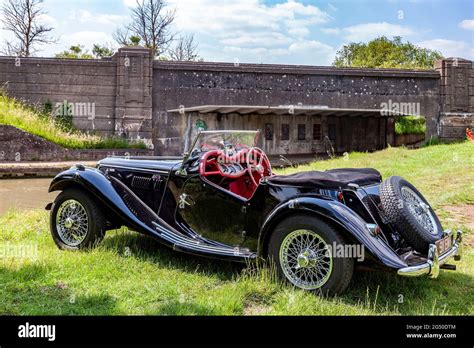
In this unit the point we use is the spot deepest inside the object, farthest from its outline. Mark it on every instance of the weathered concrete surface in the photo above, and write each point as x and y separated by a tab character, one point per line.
111	96
41	80
131	93
193	84
456	98
17	145
409	139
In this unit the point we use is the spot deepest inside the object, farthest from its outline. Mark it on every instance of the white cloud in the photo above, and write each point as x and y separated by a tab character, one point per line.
368	31
85	16
84	38
467	24
208	16
331	31
450	48
261	39
308	52
129	3
249	30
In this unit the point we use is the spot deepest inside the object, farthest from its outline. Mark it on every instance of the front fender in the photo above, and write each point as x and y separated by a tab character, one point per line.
107	189
342	216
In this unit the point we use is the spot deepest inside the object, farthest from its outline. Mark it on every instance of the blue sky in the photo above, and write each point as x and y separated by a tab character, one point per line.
276	31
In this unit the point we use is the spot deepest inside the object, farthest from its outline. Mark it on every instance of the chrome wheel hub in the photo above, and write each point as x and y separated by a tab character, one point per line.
306	259
303	261
420	210
68	223
72	223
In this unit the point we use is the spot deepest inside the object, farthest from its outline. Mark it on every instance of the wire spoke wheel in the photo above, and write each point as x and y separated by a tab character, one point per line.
419	209
72	222
306	259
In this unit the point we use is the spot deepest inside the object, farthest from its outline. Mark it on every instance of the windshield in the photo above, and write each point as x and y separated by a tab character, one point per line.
228	141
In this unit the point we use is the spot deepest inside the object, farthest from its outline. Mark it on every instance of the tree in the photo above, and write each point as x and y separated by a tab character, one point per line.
22	18
151	22
184	50
102	51
385	53
78	52
121	36
75	52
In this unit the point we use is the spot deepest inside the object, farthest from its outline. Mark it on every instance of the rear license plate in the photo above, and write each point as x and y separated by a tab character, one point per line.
444	244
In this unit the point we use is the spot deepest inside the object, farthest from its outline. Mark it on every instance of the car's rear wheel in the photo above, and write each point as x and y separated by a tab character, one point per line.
76	221
410	213
302	248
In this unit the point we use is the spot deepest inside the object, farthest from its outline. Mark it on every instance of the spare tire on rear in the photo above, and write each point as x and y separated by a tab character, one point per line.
409	213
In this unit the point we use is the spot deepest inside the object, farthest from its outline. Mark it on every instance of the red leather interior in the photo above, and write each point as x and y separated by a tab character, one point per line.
238	181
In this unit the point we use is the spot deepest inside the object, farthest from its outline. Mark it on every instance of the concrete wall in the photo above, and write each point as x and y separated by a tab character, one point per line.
353	133
38	80
456	98
195	84
109	96
131	93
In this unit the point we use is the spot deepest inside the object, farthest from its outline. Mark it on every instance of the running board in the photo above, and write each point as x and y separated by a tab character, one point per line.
183	243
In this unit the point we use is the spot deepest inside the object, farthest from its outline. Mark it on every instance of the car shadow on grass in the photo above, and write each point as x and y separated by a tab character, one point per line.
380	291
28	290
130	244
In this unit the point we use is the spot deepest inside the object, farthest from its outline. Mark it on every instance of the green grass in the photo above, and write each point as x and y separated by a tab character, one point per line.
16	114
132	274
443	173
410	125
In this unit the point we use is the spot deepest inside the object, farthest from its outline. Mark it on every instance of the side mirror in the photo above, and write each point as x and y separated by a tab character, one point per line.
182	171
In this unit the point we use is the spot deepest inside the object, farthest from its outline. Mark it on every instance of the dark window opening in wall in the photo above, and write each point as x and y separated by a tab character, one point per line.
301	132
269	131
316	132
332	132
285	131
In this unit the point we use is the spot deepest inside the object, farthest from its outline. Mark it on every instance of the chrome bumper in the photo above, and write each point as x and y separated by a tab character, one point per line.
434	262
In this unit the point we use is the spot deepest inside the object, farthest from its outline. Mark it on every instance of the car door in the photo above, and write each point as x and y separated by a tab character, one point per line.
212	212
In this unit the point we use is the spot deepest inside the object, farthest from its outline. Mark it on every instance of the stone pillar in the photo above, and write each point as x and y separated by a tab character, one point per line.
456	97
133	104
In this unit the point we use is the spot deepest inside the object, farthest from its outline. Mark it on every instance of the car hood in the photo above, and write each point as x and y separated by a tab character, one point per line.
159	165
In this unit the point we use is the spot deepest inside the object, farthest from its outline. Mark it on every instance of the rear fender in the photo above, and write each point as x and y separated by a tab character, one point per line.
348	221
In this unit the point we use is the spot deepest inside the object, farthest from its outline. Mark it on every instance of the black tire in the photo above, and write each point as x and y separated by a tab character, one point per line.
342	268
96	226
403	220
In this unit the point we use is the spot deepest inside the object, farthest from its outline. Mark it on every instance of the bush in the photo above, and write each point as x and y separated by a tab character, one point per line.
410	125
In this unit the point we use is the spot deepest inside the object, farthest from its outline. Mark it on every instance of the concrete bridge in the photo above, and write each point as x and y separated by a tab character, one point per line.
296	107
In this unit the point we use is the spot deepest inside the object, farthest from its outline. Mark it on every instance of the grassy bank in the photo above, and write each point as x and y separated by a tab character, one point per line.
132	274
16	114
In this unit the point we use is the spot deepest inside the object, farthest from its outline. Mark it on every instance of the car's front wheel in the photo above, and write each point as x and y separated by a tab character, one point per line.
302	248
76	221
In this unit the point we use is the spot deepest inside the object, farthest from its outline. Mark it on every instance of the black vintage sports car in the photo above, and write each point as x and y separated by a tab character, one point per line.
223	201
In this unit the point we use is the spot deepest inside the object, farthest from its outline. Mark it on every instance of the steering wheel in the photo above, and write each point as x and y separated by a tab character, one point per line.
258	162
216	162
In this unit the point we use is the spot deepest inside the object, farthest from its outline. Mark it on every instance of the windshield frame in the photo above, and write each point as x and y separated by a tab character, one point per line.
194	149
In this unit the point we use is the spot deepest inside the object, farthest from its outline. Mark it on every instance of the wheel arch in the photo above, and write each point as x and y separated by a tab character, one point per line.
72	179
273	223
351	225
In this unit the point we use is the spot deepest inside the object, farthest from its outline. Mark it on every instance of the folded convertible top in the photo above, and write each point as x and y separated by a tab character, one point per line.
331	179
